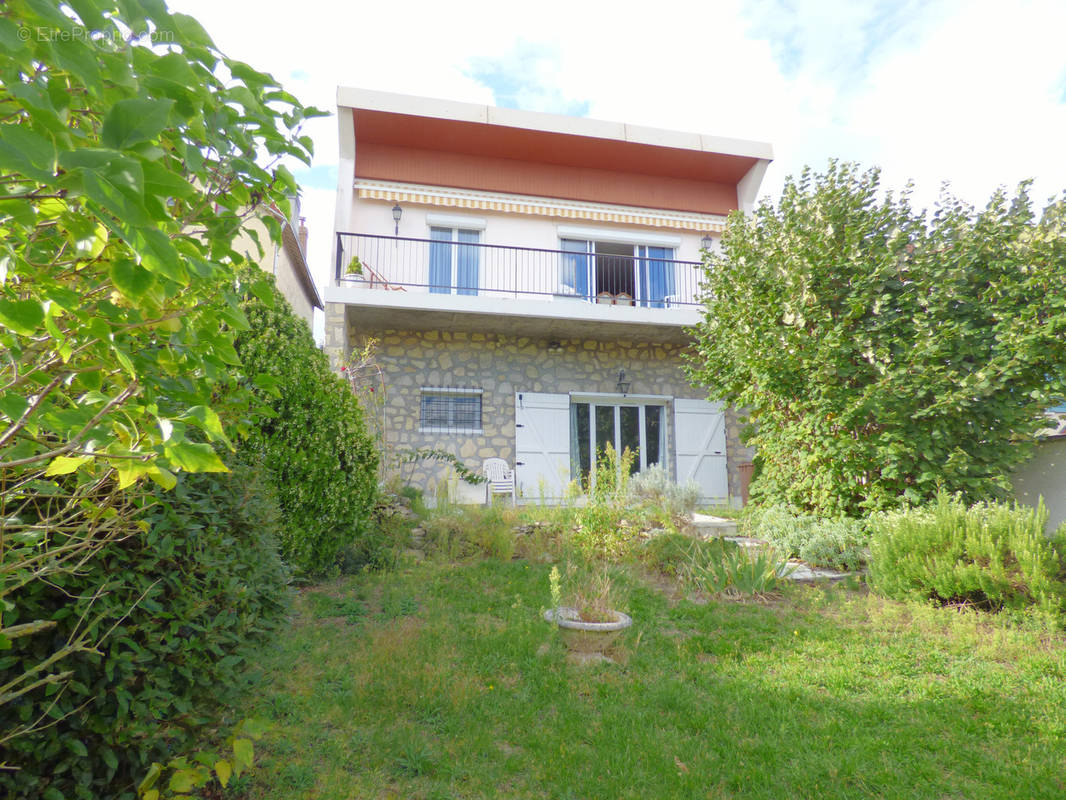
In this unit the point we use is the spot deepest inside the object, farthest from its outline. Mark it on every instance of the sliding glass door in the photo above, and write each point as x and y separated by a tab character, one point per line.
638	426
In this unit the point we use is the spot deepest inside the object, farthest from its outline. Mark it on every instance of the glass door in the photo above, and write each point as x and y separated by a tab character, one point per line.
622	424
453	261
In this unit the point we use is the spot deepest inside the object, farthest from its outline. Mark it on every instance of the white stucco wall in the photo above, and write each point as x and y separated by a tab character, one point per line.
498	270
1044	475
514	230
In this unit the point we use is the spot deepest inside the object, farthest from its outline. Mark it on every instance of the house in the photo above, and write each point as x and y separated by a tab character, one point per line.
285	260
529	279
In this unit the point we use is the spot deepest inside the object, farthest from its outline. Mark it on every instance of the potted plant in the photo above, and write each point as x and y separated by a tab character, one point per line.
585	610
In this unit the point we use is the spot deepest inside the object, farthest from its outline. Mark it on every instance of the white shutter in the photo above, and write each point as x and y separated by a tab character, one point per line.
699	434
542	444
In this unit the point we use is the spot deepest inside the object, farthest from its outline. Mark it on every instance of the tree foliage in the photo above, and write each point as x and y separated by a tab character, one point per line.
130	152
313	437
171	617
883	352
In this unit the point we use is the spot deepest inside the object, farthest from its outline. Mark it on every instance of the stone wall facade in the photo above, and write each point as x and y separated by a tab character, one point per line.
500	366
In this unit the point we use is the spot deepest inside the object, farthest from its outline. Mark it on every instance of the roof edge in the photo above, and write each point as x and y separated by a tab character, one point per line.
413	105
290	240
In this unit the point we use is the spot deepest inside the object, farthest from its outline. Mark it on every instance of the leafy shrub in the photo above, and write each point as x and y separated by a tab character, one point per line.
608	523
388	531
837	543
174	611
727	570
992	555
322	460
881	351
208	770
122	196
653	488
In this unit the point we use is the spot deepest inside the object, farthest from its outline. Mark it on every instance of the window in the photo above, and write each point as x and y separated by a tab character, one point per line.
454	261
594	425
450	410
619	273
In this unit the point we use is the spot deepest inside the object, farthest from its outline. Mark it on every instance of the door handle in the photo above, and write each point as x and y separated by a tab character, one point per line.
520	463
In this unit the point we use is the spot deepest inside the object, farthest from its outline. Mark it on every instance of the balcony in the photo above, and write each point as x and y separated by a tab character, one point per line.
461	283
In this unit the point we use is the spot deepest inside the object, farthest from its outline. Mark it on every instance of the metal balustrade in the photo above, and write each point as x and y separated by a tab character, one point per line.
436	266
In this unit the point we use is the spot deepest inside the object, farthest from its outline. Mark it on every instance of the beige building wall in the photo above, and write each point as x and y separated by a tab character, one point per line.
283	261
500	366
1044	475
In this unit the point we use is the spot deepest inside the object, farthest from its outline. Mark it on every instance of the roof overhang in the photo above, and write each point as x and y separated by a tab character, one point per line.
427	124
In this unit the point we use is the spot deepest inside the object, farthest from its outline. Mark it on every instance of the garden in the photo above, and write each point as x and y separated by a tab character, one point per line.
439	677
214	581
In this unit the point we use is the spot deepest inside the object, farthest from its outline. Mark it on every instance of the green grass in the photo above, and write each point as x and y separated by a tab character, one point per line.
442	681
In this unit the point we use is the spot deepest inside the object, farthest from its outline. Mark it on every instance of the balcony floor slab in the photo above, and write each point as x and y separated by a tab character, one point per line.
375	309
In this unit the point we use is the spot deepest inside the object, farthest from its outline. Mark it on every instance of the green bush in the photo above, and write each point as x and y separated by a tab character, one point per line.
322	461
836	543
991	555
174	611
388	531
880	351
668	500
609	523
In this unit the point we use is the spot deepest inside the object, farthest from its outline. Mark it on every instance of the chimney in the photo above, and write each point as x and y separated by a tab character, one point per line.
301	234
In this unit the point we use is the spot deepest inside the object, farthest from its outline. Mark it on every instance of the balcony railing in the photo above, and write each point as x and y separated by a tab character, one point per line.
439	266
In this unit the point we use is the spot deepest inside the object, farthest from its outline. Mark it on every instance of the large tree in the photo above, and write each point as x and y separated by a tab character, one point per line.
131	150
884	352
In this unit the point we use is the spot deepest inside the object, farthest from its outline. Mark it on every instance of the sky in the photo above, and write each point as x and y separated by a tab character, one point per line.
970	92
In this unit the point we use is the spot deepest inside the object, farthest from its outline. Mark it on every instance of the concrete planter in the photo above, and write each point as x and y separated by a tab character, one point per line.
587	638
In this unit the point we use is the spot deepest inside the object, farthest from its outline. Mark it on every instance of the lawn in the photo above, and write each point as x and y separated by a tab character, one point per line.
441	680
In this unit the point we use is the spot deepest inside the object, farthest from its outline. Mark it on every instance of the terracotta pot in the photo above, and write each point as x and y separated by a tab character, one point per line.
587	637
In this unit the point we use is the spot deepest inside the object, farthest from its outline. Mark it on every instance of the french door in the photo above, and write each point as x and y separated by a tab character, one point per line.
623	423
641	274
454	261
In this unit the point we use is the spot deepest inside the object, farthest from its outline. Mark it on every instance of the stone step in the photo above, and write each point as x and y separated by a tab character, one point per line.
804	573
707	526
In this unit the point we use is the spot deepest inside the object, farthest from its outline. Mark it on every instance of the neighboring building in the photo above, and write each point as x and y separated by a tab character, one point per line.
512	264
1044	475
287	260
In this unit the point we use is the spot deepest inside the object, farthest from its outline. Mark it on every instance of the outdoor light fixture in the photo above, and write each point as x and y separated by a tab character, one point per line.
706	241
397	212
623	384
555	346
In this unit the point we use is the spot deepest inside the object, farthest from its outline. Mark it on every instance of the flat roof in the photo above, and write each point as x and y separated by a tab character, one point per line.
414	106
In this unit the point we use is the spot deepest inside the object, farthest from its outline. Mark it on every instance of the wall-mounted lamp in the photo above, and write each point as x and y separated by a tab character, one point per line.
623	384
397	212
706	242
555	346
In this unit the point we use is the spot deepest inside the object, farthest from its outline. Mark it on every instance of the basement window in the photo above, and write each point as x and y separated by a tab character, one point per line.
450	410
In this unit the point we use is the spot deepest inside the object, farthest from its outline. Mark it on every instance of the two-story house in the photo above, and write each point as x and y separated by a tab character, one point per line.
529	278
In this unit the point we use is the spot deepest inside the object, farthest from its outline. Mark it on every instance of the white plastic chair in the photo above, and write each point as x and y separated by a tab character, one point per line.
500	479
